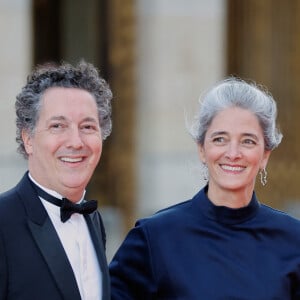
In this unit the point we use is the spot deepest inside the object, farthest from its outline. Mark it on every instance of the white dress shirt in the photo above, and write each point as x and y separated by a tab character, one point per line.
76	240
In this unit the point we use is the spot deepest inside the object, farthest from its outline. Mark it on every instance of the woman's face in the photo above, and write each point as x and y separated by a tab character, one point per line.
234	151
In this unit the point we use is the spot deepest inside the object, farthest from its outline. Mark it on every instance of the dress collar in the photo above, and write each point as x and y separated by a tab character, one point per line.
223	214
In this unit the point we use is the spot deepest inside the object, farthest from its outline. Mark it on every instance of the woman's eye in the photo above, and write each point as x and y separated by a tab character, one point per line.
219	139
249	142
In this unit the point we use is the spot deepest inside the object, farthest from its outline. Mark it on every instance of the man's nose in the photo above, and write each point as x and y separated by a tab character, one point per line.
74	138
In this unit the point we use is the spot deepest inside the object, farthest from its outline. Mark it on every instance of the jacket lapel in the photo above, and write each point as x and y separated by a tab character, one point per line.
46	238
98	237
54	254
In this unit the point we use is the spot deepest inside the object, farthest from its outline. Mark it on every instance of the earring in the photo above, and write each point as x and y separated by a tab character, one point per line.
204	171
263	176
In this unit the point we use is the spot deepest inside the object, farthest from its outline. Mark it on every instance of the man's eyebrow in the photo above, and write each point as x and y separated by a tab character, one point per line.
57	118
63	118
90	119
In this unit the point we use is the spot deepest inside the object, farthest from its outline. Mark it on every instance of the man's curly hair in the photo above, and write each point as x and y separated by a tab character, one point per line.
83	76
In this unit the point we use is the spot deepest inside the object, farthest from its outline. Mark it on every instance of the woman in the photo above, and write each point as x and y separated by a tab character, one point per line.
223	243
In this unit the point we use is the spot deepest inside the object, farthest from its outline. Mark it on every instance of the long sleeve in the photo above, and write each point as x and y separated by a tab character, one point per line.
195	250
3	266
131	271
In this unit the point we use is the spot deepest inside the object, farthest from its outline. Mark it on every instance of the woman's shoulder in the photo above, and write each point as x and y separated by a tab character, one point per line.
171	214
178	213
280	217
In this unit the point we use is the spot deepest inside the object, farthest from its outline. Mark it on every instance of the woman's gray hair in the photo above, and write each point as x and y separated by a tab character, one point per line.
83	76
234	92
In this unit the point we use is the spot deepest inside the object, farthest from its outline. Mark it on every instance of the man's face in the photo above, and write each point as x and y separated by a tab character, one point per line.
66	145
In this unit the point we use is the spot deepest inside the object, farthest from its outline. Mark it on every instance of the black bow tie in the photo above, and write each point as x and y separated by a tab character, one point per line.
67	208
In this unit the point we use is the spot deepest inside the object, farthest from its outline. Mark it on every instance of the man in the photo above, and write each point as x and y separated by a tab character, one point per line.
47	251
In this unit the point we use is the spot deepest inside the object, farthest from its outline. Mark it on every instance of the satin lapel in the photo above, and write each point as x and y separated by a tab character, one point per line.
54	254
93	223
46	238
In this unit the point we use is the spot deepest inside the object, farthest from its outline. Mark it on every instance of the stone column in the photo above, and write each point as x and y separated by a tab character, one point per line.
117	167
103	33
121	58
264	45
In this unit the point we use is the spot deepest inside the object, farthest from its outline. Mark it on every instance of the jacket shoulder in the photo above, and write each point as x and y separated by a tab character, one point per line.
10	200
174	214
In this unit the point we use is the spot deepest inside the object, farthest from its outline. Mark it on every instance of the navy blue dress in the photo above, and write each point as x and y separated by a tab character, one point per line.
196	250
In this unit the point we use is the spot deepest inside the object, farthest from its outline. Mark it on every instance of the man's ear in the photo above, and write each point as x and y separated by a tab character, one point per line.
27	139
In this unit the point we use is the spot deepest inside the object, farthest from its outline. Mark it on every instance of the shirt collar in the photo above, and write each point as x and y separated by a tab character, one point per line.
52	192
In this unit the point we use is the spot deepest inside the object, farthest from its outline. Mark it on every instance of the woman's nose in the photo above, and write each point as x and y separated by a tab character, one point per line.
233	151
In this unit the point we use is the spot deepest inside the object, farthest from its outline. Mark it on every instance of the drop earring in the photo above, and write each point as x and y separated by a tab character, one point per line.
204	171
263	176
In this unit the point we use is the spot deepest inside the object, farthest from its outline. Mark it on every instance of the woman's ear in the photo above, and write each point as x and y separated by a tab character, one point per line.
201	152
27	139
265	159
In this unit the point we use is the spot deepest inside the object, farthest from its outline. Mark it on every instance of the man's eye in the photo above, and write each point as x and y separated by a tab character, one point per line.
89	128
56	125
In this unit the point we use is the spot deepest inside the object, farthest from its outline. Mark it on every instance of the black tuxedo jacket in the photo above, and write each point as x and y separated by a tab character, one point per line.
33	263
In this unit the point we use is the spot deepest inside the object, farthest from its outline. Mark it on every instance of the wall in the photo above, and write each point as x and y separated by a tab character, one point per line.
181	53
15	62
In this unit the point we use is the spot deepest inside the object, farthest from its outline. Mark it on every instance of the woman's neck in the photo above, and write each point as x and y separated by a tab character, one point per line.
230	198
